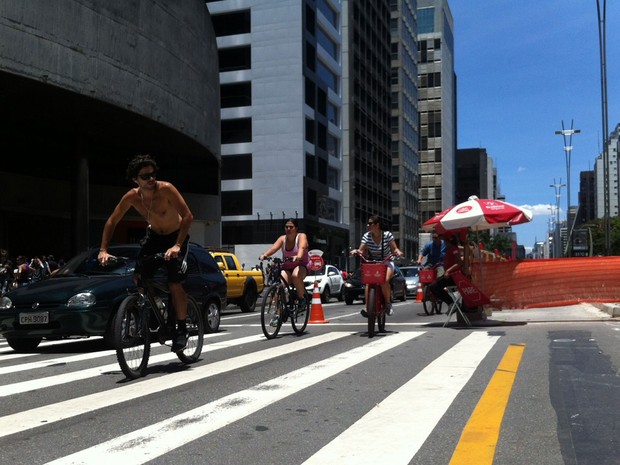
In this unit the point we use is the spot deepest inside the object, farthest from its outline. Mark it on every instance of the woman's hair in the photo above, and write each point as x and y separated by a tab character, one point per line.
294	221
137	163
375	219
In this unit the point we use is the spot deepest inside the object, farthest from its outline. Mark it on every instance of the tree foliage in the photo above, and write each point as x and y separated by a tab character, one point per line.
598	237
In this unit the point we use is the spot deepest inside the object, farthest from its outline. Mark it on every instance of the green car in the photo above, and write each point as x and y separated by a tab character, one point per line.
82	297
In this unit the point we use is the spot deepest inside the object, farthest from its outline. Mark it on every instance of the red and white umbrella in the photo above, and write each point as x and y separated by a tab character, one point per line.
478	214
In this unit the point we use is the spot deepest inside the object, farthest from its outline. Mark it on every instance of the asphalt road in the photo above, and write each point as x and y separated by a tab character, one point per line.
524	387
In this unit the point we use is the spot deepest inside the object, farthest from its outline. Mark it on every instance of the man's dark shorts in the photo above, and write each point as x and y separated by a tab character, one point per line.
156	243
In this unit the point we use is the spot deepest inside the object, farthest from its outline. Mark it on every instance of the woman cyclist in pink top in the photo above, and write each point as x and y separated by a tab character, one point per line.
294	245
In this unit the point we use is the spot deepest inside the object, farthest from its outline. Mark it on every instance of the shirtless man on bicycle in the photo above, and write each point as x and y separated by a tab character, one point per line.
169	219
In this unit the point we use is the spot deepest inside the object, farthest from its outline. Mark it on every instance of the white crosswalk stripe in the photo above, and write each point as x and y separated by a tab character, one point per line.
181	429
406	432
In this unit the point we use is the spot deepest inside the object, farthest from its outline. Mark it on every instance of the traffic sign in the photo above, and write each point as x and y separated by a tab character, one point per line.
316	263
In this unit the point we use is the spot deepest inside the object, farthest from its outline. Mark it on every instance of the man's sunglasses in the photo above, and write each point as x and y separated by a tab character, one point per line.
147	176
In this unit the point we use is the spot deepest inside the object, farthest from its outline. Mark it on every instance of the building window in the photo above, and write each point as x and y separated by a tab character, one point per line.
235	131
333	178
333	146
328	12
236	203
238	94
332	114
310	93
310	56
327	43
310	20
328	76
426	20
235	58
310	132
311	202
328	209
237	166
233	23
321	136
310	166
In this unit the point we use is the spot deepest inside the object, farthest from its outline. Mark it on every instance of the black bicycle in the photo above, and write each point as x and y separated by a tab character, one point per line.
428	275
148	313
280	303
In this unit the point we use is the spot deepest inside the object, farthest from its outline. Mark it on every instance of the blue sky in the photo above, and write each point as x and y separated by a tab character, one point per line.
522	68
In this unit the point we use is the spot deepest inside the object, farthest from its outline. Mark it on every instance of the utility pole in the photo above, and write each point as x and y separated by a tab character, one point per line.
557	247
603	58
568	148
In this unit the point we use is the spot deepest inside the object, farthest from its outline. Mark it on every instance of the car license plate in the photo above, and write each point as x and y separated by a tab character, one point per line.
40	318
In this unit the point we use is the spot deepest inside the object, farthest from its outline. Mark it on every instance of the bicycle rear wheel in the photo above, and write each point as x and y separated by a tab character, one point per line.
195	327
131	338
371	308
271	311
300	319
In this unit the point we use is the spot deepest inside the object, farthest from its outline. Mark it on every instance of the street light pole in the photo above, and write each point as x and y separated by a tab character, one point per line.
603	58
557	247
568	148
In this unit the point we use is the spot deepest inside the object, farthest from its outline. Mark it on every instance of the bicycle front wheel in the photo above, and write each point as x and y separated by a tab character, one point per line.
428	301
271	311
195	327
381	321
131	338
300	319
371	308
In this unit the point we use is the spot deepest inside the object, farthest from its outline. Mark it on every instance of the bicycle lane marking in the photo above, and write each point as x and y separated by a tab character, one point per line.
406	418
48	414
56	380
170	434
481	433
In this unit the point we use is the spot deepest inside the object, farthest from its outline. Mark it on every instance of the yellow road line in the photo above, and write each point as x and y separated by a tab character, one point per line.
480	435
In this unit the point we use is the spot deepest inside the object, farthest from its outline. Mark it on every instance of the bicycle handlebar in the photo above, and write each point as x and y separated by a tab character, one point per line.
387	259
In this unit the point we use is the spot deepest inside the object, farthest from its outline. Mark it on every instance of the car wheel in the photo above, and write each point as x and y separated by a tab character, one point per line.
248	301
404	296
348	299
212	316
20	344
326	295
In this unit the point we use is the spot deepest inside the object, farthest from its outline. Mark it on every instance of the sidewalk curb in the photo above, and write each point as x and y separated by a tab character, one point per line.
612	309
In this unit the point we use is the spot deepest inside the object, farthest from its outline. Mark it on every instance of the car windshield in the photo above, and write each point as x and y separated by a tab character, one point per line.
86	263
409	272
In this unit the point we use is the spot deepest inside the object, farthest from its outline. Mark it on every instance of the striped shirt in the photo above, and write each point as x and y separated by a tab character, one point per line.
381	250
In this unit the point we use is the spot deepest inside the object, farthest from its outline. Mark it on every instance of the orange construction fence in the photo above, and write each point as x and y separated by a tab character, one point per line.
548	282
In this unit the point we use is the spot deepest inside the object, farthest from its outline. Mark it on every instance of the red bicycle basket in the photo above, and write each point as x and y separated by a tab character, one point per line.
428	276
373	273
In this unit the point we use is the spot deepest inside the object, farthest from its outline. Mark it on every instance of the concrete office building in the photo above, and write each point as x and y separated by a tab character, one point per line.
366	114
475	175
613	144
405	126
586	196
437	105
281	77
85	86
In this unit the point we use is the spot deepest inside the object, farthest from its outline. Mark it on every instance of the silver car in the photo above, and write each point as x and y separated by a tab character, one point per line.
411	278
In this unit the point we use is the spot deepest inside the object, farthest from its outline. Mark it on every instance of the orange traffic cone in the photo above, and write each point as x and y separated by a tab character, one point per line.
316	312
420	296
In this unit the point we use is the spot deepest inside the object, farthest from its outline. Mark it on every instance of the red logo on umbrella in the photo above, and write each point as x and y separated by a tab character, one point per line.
464	209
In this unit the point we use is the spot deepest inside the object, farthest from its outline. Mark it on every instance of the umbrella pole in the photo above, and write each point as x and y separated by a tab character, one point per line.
481	262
